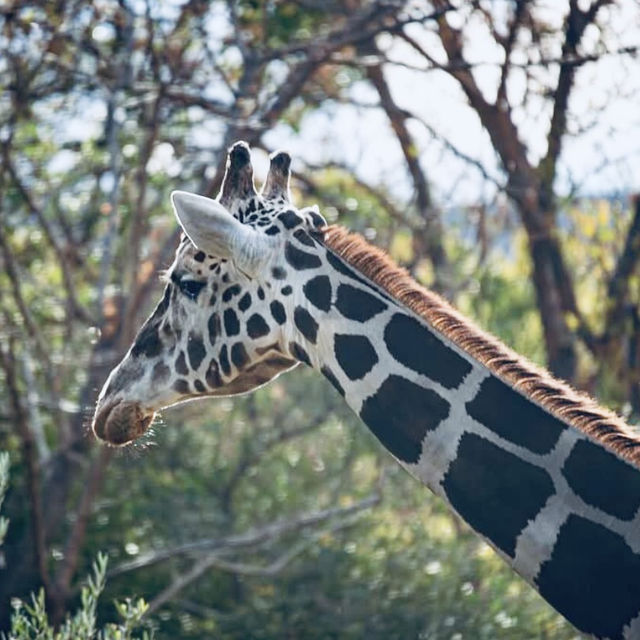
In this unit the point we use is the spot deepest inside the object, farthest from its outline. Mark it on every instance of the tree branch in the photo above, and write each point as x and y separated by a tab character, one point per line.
431	236
216	561
618	286
76	310
29	454
25	313
514	27
248	539
76	537
575	24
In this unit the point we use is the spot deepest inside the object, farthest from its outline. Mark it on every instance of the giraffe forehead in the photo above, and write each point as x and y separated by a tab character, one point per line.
273	218
258	212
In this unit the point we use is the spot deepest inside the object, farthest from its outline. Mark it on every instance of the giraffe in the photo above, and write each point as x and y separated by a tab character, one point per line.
543	474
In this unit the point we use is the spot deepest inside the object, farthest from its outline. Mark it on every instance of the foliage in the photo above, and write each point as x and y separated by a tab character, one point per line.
105	107
31	620
4	485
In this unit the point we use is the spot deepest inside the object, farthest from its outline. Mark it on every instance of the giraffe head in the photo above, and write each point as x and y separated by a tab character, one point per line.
221	326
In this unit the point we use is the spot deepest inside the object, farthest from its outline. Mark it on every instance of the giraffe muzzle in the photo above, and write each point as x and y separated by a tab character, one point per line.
119	423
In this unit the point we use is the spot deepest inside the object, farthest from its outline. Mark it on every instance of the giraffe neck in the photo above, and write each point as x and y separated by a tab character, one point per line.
560	506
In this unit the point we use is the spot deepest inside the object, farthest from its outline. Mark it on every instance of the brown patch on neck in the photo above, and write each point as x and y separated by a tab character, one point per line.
558	398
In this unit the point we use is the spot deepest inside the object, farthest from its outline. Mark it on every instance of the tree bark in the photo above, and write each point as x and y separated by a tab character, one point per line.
532	188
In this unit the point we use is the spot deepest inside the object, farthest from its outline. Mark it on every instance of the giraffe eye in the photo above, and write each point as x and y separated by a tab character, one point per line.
191	288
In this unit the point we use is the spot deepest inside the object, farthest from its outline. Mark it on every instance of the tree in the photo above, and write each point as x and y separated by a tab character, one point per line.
108	106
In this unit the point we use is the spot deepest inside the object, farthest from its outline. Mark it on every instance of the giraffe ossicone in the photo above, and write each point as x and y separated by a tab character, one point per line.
546	476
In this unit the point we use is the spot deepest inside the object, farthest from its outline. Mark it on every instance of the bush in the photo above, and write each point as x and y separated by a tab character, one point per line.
30	621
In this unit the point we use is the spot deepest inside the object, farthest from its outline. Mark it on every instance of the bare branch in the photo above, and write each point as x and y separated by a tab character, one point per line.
14	282
75	308
432	244
514	27
619	282
139	218
576	23
251	538
459	153
29	453
361	26
216	561
76	537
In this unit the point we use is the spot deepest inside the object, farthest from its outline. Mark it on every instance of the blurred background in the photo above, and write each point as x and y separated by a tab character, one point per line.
492	147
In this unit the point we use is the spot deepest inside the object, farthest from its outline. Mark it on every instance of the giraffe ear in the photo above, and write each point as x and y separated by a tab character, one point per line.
215	231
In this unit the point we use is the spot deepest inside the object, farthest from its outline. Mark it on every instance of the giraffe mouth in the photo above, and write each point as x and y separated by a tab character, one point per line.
119	423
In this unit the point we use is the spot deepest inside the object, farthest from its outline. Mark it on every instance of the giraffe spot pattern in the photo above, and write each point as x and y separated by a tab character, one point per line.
303	237
290	219
356	304
511	416
196	350
256	326
331	377
278	273
148	341
231	323
239	355
229	292
318	292
213	375
245	302
299	259
417	348
286	291
272	230
496	492
299	352
278	312
339	265
400	414
306	324
181	386
614	487
199	386
224	361
214	327
199	257
355	355
317	219
592	578
160	372
181	364
163	305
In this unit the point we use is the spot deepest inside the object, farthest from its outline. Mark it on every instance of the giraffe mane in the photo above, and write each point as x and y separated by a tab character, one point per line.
558	398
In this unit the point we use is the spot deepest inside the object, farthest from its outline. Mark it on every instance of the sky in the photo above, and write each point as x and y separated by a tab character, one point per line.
604	159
